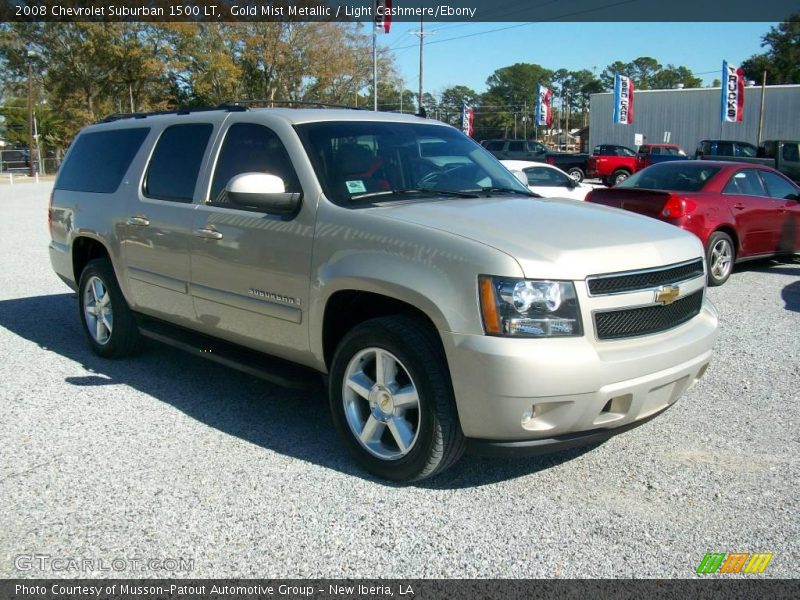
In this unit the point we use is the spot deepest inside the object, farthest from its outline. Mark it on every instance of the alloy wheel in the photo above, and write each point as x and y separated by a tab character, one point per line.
98	311
381	403
721	259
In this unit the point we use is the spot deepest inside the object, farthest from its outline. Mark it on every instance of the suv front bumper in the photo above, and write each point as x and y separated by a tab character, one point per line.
547	394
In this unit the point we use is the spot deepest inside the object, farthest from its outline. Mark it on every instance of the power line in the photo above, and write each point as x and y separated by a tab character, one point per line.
517	25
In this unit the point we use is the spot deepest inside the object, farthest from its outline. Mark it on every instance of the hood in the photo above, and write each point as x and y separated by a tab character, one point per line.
554	238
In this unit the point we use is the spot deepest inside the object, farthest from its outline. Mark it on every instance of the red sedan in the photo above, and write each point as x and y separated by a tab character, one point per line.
739	211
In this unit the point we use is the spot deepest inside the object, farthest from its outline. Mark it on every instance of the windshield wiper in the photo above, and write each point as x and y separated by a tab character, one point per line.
453	193
507	190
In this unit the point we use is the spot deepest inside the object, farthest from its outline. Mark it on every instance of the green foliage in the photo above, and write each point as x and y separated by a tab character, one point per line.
782	59
85	71
648	74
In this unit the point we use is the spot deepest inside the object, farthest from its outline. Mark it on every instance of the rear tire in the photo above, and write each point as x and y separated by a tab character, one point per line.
576	174
107	321
400	423
720	257
618	177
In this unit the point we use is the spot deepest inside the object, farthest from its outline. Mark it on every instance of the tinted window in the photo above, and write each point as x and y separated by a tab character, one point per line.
724	149
538	148
745	183
542	176
598	150
777	186
747	150
496	146
790	153
176	161
250	148
516	146
767	150
623	151
674	176
99	160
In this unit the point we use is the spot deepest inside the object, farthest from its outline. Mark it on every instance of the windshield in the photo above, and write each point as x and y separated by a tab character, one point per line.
673	176
372	160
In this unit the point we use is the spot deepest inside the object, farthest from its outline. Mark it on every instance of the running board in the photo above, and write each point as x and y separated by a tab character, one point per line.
252	362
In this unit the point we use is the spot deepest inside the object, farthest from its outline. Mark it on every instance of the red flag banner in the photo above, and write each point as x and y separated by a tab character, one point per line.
383	14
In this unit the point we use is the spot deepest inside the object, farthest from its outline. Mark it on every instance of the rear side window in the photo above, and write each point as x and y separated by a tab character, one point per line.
745	183
777	186
516	146
176	161
99	160
495	146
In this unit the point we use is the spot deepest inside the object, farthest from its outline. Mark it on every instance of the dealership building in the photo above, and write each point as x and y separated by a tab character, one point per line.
686	116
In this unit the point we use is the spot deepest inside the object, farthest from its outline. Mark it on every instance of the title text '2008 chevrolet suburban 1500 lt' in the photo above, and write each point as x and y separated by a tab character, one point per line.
447	307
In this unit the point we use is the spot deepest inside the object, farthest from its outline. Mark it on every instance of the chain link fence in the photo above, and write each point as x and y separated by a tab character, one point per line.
18	162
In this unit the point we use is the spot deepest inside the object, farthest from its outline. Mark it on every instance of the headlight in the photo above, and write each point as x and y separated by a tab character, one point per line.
528	307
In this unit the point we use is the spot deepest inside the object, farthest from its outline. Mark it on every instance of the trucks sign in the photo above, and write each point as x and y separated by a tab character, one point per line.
732	93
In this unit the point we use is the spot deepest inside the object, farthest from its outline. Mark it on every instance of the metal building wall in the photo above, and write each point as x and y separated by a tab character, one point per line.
692	115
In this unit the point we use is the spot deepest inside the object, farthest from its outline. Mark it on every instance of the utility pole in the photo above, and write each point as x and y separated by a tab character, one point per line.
421	35
374	64
525	119
761	111
31	162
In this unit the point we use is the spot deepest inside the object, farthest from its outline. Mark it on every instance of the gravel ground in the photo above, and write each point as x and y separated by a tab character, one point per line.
169	456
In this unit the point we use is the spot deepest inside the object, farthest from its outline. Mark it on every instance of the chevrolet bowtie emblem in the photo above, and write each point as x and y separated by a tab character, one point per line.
667	294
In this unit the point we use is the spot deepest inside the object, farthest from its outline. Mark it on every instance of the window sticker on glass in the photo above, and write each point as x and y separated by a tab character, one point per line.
356	187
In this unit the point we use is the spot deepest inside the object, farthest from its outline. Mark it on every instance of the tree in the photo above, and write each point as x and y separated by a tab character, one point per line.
510	90
452	100
671	76
782	59
611	71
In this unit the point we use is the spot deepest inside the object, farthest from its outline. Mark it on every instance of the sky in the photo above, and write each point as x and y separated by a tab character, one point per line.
572	46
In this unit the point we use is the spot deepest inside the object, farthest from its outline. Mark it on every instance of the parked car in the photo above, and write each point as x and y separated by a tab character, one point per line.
725	148
781	155
651	154
548	181
611	164
572	163
14	160
447	309
738	211
517	149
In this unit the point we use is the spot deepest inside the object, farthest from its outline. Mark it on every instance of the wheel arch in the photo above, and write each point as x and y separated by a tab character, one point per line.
731	231
349	306
84	249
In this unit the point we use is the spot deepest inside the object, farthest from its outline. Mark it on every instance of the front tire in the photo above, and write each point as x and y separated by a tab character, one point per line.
720	257
576	174
392	400
107	321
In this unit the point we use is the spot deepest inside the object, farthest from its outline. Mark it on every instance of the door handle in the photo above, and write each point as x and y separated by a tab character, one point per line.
738	206
139	221
208	234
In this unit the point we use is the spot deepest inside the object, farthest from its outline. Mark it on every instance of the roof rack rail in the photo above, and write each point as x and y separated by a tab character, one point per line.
178	111
289	103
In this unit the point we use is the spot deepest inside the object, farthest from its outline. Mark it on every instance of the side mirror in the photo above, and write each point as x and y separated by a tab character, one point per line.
264	192
523	179
795	197
571	183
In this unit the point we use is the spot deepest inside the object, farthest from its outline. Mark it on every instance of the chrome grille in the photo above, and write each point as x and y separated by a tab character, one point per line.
618	283
645	320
